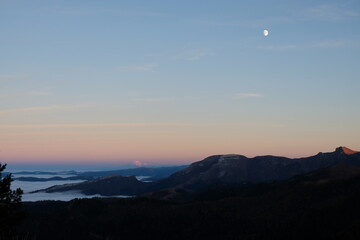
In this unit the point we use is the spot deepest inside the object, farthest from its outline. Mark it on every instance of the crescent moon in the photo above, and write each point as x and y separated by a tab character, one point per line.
266	32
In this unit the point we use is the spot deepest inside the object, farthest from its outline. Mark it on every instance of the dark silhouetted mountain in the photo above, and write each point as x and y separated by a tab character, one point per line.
106	186
240	169
221	169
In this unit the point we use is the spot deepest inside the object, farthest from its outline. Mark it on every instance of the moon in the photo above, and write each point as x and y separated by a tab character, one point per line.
266	32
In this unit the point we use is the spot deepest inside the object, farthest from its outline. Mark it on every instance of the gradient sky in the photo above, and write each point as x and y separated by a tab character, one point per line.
169	82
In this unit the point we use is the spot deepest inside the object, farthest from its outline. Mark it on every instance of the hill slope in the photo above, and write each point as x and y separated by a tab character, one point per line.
235	169
319	205
240	169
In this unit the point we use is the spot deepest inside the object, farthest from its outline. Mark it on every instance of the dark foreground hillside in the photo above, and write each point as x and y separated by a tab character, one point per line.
321	205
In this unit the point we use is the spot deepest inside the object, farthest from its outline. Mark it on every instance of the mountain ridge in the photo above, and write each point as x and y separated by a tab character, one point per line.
232	168
218	169
348	150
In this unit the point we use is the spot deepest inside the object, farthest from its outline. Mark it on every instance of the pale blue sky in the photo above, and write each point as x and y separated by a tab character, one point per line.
197	75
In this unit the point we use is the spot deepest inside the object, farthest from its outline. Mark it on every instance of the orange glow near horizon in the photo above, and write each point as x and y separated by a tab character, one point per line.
151	144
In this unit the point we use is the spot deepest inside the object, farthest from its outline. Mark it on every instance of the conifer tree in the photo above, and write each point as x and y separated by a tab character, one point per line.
10	204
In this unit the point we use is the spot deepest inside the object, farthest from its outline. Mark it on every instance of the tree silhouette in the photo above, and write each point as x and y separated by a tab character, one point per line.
10	204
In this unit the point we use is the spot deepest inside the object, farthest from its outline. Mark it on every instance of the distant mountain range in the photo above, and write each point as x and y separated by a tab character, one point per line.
151	174
214	170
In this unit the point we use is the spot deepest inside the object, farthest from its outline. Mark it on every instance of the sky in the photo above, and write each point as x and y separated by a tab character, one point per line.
172	82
